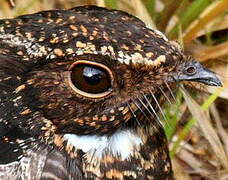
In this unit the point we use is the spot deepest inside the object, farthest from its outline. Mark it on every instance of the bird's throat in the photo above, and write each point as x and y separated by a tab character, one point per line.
128	153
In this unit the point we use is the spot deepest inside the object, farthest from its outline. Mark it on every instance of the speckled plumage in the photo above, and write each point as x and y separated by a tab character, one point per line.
59	132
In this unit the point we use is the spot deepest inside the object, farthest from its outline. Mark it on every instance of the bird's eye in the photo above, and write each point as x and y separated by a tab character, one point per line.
90	79
191	70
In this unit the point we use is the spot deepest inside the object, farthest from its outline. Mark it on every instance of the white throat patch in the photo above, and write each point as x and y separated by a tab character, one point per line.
122	143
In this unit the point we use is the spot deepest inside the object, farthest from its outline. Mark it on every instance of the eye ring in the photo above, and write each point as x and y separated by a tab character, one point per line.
191	70
95	65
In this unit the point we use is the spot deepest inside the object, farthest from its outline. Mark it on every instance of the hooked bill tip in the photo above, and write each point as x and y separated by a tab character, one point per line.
209	78
194	71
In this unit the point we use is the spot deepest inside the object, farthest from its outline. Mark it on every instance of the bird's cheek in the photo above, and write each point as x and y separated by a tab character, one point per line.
106	122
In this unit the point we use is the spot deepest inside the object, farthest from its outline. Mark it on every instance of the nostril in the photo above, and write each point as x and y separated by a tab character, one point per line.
191	70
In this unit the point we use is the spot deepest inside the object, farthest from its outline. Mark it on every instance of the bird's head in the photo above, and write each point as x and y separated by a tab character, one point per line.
89	71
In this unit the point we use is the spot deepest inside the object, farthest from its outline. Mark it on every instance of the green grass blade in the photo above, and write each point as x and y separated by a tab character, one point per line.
191	13
181	136
173	115
150	6
112	4
192	122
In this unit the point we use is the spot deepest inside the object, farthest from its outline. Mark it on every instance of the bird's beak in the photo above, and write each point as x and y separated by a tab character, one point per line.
207	77
194	71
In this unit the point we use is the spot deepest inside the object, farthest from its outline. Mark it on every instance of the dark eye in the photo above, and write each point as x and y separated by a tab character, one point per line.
191	70
91	79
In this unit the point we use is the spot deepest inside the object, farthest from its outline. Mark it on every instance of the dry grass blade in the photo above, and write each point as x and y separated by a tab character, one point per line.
188	15
5	10
167	13
221	131
179	173
140	11
100	3
196	165
224	92
12	3
211	12
207	129
218	24
204	53
211	90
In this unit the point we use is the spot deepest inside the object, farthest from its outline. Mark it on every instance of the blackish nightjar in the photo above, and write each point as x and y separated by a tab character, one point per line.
80	95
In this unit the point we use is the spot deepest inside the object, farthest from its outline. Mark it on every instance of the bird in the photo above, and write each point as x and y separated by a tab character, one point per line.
81	95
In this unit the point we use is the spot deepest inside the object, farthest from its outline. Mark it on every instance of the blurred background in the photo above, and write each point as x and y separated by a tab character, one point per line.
197	124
